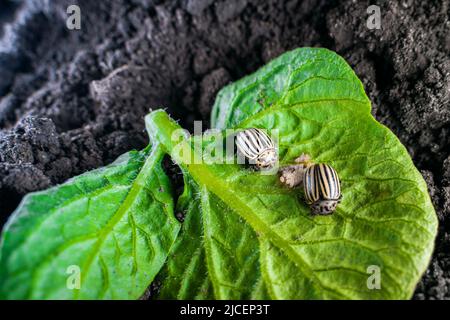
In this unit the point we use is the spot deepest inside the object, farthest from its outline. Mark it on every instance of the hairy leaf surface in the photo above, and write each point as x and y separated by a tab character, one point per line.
115	226
247	236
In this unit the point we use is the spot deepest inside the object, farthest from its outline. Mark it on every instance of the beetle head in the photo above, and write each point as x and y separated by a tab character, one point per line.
267	159
324	207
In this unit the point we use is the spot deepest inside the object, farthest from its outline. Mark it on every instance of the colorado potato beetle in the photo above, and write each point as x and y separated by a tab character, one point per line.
257	146
322	188
321	184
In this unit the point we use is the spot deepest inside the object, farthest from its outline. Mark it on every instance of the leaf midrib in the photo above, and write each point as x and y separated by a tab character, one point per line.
223	191
161	129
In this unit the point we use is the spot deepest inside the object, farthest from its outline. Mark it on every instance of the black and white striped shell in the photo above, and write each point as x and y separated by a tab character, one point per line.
257	146
322	188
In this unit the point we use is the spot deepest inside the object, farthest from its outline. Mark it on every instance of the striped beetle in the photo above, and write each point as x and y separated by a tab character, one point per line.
322	188
321	184
256	145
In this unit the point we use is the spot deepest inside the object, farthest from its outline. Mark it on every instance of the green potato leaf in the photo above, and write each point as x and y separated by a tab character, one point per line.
301	77
112	227
211	225
247	236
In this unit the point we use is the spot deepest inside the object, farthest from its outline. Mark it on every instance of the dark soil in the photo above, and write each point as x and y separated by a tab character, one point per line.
71	101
